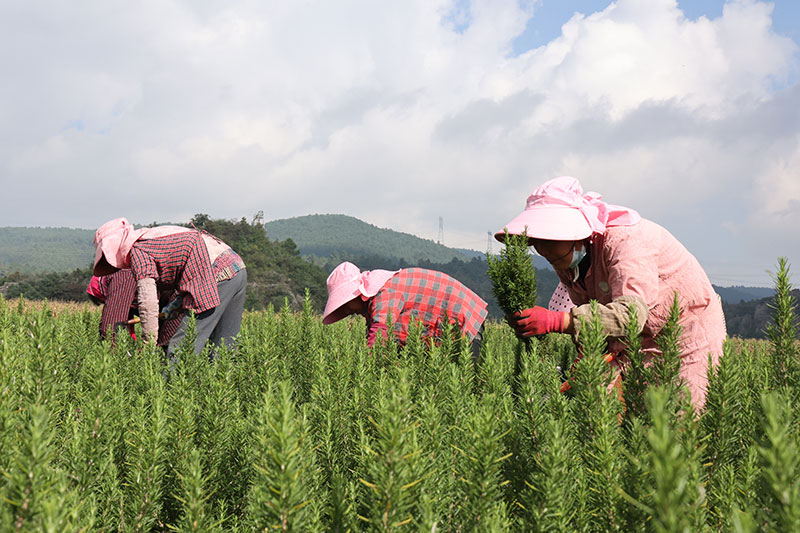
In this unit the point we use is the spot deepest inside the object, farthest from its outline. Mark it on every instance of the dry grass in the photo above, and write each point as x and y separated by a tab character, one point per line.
56	307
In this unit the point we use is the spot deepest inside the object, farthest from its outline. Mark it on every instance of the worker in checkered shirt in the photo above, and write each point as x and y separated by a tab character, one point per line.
117	294
407	295
208	275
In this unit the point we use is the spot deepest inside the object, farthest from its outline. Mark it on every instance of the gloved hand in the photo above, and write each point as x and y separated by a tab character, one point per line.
172	309
536	321
608	358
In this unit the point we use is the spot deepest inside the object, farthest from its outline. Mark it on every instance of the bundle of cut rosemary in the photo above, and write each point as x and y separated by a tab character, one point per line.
512	275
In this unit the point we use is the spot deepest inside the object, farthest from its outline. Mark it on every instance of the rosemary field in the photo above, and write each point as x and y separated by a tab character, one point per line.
303	428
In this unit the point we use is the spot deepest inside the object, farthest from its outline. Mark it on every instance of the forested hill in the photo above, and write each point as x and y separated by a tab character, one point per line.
347	237
327	240
738	294
39	250
749	320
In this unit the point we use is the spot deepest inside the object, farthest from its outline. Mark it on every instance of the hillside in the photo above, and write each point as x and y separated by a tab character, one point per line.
39	250
347	237
749	320
328	240
738	294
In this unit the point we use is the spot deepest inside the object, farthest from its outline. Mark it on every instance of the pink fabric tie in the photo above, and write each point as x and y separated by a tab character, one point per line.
566	191
371	281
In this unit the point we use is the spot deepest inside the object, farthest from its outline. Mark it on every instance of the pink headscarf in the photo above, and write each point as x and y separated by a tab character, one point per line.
97	288
559	210
346	282
114	240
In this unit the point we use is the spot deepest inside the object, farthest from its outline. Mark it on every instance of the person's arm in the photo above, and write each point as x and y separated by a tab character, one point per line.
145	271
148	307
632	279
613	316
631	257
379	309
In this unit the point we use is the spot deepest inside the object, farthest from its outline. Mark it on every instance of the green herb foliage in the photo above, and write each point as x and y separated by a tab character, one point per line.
512	275
302	427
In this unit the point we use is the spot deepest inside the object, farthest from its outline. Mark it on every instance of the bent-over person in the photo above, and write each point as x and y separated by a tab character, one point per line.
208	275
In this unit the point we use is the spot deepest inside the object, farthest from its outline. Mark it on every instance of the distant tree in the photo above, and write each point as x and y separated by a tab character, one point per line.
200	220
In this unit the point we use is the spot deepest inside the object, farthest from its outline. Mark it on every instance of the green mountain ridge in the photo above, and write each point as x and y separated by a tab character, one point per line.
40	250
739	294
344	236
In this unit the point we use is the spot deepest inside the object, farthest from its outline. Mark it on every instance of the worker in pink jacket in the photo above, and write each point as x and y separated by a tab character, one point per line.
611	254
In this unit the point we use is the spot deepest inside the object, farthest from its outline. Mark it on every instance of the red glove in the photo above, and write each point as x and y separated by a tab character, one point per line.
536	321
608	358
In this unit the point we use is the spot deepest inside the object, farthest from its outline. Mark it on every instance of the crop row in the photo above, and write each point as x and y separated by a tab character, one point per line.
302	427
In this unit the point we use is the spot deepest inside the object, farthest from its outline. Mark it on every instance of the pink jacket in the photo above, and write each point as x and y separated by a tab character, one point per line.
646	261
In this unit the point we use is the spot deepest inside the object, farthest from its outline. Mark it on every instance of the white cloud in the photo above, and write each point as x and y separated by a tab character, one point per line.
778	192
397	113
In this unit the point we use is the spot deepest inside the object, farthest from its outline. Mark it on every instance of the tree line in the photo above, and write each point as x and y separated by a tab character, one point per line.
277	273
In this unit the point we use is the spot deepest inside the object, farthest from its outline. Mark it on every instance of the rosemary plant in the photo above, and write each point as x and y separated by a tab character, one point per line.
514	284
783	329
512	275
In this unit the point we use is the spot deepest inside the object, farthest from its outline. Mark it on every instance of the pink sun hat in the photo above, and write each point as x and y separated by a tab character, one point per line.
558	210
113	240
347	282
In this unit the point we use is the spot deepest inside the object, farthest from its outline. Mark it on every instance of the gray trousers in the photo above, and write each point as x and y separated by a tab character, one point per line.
219	325
475	346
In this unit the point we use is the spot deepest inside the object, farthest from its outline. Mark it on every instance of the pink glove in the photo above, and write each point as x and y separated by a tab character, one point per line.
536	321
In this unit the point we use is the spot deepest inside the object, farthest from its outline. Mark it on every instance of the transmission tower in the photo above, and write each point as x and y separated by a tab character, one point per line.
489	243
441	231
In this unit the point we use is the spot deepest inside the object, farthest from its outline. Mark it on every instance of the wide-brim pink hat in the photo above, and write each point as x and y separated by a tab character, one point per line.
558	210
113	241
549	223
347	282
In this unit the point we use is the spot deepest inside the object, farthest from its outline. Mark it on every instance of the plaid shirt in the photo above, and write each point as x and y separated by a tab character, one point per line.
227	265
427	296
178	262
119	291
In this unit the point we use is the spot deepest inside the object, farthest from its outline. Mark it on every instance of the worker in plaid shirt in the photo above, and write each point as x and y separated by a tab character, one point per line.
117	293
407	295
210	277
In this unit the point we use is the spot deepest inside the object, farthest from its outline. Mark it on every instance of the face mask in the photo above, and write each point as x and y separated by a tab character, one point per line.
577	257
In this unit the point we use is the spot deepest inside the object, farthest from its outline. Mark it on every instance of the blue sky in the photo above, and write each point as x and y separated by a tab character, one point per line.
399	113
550	15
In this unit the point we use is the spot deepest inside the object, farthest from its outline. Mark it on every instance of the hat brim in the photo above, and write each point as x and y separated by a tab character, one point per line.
105	256
552	223
336	300
102	267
